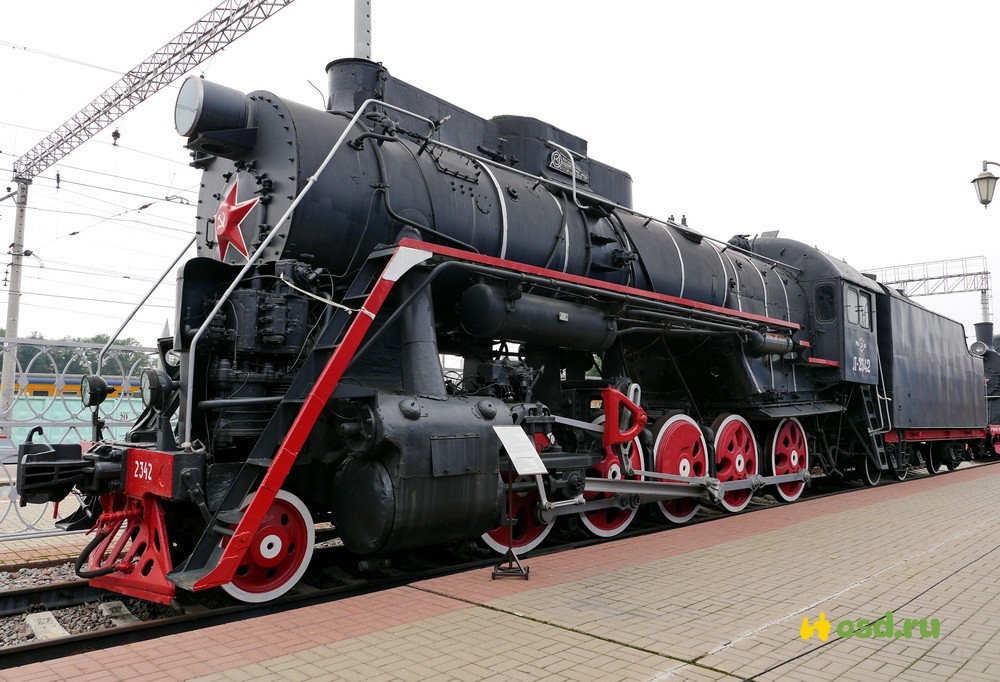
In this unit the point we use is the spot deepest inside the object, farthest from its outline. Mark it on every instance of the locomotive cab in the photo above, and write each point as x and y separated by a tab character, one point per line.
841	310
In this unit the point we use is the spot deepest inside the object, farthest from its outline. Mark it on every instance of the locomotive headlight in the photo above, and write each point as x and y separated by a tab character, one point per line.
93	390
203	105
155	387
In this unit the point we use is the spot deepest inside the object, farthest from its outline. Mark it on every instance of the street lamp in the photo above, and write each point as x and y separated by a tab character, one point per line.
985	183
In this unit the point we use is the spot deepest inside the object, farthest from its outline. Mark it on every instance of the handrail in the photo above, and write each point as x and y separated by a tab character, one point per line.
572	174
885	423
550	182
114	337
189	398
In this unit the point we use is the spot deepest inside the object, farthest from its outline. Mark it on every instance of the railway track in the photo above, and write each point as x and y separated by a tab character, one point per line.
48	597
335	574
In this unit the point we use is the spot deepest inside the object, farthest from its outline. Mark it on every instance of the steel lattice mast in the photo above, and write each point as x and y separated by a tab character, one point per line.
204	38
953	276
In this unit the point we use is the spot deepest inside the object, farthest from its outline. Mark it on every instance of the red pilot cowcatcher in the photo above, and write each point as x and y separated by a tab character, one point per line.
228	219
130	552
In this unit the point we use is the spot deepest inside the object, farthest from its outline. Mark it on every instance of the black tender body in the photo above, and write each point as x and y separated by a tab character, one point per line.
931	377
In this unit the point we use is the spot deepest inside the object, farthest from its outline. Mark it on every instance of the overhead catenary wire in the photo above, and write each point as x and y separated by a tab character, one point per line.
203	38
64	181
112	219
117	176
108	144
91	273
82	285
91	300
62	58
89	207
157	325
82	267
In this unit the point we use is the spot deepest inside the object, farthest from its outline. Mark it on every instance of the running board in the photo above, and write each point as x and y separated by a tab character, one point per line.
629	494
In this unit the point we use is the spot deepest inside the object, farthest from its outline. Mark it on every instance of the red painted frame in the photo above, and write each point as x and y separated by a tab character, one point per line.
916	435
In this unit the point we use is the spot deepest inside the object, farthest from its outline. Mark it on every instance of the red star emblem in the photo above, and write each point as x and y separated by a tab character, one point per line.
228	219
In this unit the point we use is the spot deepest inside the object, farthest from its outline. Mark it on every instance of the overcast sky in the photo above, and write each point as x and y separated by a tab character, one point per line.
852	126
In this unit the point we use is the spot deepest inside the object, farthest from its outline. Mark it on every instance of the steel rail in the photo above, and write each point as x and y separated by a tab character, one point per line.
46	597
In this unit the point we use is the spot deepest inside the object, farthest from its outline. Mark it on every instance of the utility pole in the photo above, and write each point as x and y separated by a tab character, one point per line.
13	303
363	29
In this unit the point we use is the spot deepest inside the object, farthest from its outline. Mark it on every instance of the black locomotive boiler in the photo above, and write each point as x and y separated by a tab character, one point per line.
342	253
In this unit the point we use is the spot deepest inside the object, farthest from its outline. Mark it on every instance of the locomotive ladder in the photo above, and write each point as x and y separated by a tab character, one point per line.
206	554
872	411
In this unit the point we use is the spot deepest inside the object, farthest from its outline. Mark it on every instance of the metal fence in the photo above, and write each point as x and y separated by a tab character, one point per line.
47	395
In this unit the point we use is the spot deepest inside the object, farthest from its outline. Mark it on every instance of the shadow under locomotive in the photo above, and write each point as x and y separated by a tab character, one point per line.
341	252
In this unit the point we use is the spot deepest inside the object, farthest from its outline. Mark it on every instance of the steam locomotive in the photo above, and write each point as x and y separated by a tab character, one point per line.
342	253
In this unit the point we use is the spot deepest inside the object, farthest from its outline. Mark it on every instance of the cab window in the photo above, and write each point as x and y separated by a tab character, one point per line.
826	303
859	307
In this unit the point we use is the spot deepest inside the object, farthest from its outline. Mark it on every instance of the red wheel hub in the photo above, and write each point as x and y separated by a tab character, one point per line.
680	450
611	521
789	455
527	532
278	554
735	458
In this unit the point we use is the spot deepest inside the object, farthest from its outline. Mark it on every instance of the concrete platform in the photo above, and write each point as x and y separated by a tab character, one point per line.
724	600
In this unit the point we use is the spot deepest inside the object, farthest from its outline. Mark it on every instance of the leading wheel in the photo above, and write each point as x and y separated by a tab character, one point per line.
524	533
735	458
279	553
680	449
789	455
610	521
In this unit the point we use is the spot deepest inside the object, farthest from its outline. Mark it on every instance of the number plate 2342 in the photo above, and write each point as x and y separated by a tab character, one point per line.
149	472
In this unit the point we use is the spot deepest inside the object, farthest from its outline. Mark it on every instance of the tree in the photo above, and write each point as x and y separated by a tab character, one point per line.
48	357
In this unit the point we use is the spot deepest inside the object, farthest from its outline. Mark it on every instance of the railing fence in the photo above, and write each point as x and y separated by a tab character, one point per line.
47	395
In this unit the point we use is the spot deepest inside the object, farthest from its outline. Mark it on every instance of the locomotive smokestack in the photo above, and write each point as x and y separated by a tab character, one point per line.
984	333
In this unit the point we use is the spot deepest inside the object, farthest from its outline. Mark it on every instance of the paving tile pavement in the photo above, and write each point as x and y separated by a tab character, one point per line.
928	549
469	644
723	600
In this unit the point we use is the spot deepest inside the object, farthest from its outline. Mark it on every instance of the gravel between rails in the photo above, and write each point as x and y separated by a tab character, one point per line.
75	619
36	576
